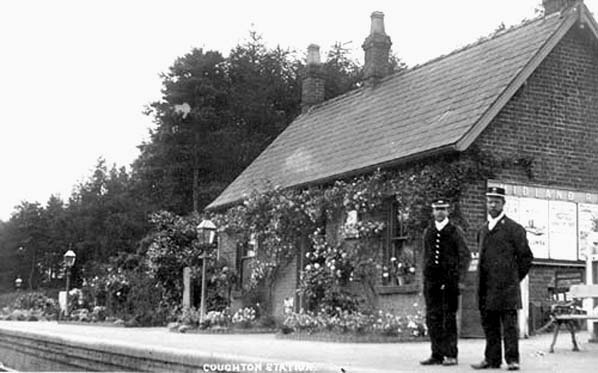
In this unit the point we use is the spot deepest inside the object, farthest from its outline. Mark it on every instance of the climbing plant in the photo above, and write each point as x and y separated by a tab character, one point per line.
283	219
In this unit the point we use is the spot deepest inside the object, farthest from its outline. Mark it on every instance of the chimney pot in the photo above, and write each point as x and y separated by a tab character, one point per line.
313	54
377	23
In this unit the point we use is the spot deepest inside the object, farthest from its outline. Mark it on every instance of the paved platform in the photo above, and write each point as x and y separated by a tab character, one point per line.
321	356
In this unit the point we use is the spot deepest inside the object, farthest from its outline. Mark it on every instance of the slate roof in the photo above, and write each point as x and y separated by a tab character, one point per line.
429	108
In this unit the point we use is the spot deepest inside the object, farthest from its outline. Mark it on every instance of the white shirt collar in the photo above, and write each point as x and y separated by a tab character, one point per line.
493	221
442	224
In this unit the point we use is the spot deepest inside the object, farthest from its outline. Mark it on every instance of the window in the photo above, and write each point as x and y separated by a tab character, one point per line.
399	257
246	252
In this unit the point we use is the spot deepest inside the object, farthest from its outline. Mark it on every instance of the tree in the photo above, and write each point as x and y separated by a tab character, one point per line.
180	152
29	240
104	216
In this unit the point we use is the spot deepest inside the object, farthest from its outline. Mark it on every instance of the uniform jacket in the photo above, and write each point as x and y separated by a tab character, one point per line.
505	259
446	260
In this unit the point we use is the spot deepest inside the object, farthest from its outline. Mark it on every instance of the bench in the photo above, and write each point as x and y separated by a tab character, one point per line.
569	313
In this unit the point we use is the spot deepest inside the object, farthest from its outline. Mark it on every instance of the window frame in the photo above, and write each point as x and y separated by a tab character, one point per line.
395	243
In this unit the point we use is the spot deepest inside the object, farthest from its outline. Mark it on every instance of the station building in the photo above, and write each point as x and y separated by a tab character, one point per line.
527	94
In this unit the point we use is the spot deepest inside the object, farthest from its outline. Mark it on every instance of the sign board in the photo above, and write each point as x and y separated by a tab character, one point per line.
560	224
565	279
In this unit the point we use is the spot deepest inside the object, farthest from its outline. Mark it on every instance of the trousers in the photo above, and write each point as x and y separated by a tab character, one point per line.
501	325
442	329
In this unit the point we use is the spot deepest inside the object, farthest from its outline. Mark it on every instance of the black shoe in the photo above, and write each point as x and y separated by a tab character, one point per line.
450	361
431	361
513	366
485	365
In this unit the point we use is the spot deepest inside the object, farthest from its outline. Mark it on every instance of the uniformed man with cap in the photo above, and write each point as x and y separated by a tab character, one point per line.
446	259
505	259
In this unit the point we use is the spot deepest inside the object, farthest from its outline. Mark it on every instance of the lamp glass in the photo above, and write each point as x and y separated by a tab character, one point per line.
206	232
69	258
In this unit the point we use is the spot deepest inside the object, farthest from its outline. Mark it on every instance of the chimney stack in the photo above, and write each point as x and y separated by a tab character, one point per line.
377	49
312	92
554	6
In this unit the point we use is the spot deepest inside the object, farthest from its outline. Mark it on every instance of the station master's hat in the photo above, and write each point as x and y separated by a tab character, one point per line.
495	192
440	203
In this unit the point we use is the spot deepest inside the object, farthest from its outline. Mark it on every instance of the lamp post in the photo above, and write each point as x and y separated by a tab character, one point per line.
206	232
18	283
69	261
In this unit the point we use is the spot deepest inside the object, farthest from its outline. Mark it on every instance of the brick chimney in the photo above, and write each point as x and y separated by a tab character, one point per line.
312	90
377	48
554	6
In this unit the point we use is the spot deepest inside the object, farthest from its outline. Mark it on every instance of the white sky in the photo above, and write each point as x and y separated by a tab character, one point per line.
75	75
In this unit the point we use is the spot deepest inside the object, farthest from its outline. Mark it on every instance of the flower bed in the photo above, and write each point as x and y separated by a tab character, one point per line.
355	327
220	330
244	321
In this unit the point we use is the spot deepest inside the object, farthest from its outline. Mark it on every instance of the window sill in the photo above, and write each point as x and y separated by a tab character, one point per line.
559	262
397	289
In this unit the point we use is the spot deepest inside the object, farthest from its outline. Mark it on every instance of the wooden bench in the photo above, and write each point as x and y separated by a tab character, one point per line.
569	313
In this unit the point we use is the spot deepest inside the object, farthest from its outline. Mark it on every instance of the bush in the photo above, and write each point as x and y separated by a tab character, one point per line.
98	313
37	303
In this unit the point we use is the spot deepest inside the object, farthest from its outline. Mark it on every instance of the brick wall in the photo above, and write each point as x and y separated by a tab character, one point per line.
552	119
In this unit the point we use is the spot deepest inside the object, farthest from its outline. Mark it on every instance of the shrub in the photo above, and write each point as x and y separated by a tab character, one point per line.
36	301
219	318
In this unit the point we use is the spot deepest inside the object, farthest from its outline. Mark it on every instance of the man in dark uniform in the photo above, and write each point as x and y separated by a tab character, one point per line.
446	259
505	259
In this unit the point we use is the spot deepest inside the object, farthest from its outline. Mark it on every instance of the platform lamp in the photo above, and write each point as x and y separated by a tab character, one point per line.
69	261
206	232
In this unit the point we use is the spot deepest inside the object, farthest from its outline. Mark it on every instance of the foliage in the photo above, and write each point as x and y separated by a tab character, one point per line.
174	246
124	289
278	220
323	279
282	220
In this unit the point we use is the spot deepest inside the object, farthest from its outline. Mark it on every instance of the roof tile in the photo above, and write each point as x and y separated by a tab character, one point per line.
424	108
